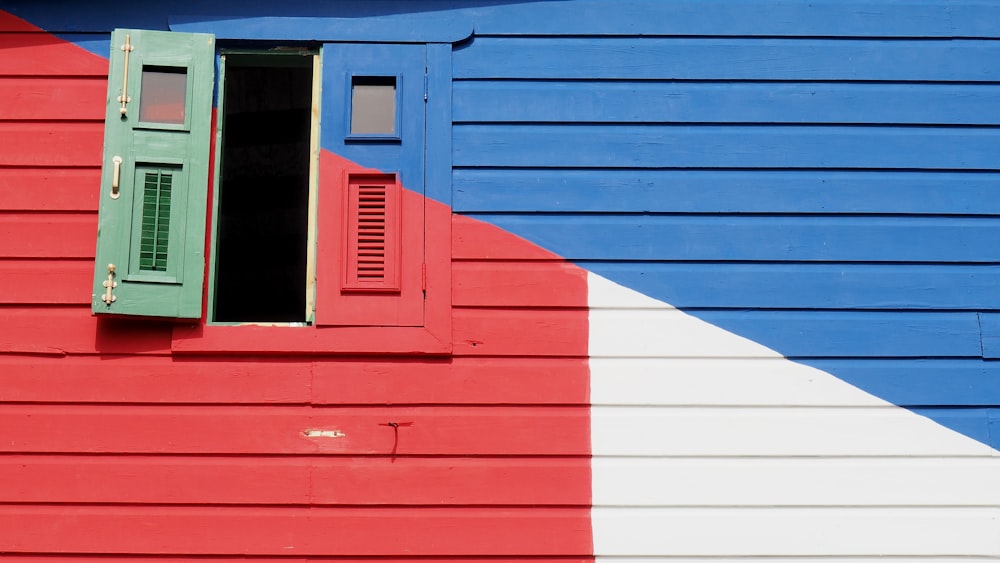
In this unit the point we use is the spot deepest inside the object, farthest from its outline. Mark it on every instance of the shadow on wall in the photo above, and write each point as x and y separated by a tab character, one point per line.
65	16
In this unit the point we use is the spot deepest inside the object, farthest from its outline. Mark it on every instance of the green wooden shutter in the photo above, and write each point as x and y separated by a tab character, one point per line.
151	238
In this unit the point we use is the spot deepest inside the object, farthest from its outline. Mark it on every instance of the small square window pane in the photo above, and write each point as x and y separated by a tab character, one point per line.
164	93
373	105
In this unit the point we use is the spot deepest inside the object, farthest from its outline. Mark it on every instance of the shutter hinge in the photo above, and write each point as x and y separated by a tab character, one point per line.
423	278
425	84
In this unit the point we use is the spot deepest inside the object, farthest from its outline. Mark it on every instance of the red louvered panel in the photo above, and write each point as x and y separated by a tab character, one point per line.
373	233
370	277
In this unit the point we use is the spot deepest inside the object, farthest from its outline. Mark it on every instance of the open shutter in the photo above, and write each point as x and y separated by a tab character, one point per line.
150	244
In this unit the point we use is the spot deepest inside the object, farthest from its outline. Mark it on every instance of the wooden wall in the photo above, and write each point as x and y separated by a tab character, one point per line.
789	216
116	446
772	339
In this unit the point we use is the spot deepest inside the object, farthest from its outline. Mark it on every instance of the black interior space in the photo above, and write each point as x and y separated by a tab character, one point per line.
260	270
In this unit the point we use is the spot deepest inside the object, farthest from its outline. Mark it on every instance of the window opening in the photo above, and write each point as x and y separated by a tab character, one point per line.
264	189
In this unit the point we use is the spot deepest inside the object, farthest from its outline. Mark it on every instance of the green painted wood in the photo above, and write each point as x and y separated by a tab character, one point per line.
154	231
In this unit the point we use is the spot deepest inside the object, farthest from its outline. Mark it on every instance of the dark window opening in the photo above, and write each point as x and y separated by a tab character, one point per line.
262	235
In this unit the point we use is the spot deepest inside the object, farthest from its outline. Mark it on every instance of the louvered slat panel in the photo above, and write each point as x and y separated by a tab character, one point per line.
155	222
372	233
370	241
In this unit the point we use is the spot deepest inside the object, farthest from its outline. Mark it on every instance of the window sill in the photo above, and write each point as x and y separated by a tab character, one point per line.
255	339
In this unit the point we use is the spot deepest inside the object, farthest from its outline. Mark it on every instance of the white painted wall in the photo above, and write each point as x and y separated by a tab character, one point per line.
707	444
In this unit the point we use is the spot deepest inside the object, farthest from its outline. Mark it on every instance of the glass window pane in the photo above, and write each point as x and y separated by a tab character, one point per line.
373	105
164	92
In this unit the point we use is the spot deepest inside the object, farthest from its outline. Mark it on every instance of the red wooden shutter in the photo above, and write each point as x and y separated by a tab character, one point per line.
370	252
373	234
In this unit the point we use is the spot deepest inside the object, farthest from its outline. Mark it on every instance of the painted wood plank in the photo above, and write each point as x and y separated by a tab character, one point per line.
730	59
479	240
747	238
45	98
520	332
415	26
42	54
994	428
783	482
154	480
69	558
52	144
725	102
648	559
538	430
46	282
196	380
610	559
442	482
76	558
789	334
291	531
49	189
84	558
294	481
810	285
48	235
725	191
308	340
9	22
725	146
778	382
632	17
515	284
922	382
158	379
778	431
966	422
732	17
990	327
742	532
437	132
60	330
671	333
459	380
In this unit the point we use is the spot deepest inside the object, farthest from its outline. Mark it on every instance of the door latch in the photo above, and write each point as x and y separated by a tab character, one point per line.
109	284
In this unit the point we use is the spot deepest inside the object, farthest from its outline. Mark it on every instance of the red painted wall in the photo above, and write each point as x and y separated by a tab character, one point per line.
112	444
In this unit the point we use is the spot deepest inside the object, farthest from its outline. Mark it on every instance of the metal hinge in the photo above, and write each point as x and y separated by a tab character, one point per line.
425	84
423	278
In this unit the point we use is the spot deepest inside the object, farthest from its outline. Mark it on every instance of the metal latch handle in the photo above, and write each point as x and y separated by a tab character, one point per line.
124	99
109	284
116	177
